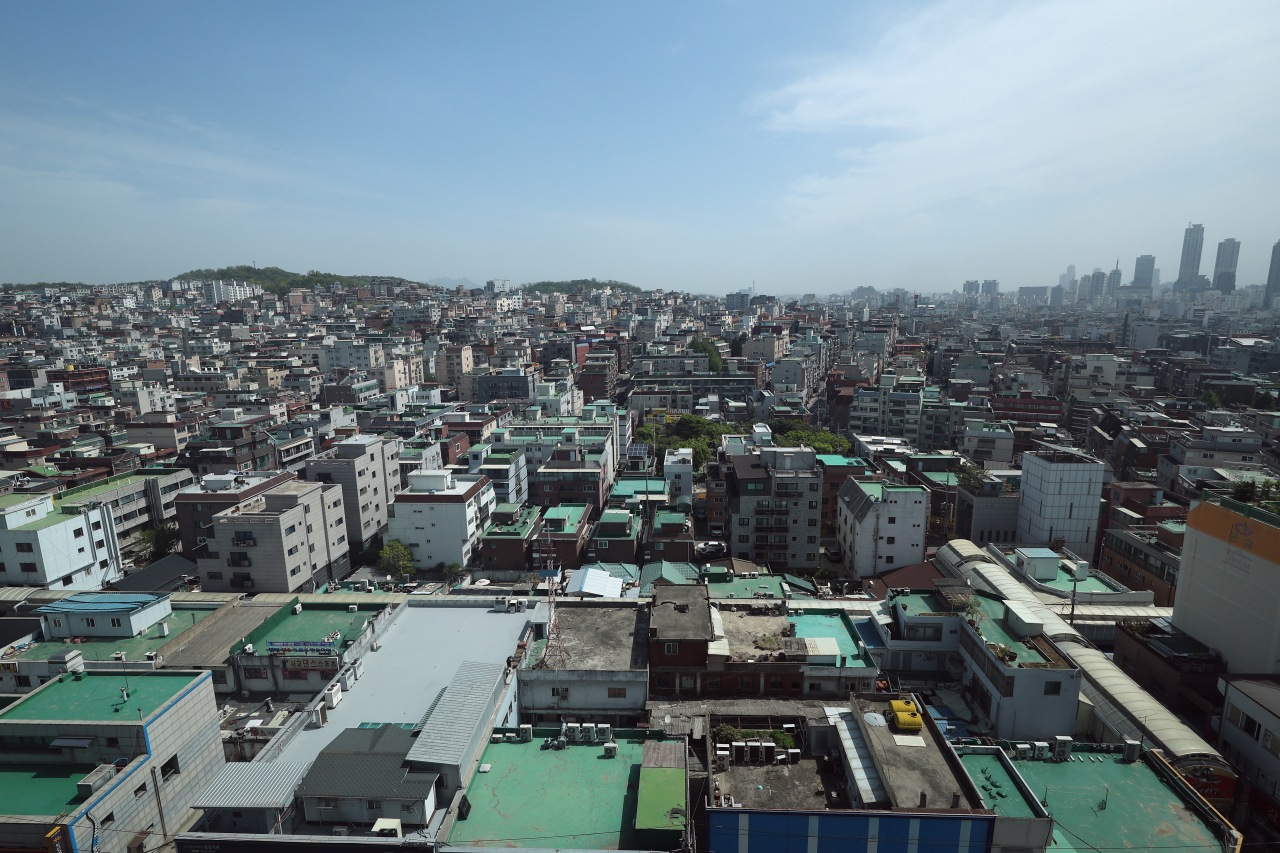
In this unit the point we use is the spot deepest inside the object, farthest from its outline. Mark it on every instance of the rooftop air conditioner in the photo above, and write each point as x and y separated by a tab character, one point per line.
1061	747
610	750
297	608
1022	751
1042	751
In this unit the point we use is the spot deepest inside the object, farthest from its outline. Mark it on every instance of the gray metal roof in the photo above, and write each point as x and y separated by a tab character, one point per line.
252	785
452	725
367	763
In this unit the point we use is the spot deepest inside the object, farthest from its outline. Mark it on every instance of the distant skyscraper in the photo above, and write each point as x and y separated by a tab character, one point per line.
990	287
1224	268
1113	279
1071	272
1192	245
1057	294
1273	277
1142	271
1155	280
971	288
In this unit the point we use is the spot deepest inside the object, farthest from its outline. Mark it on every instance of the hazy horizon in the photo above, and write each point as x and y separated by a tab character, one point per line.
810	148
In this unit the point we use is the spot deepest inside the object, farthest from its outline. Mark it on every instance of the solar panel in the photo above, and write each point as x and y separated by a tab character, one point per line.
638	450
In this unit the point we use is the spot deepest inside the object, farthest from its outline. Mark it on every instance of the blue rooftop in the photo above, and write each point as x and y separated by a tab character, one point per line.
102	601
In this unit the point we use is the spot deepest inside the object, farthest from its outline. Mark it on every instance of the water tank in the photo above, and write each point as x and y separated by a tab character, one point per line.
1081	572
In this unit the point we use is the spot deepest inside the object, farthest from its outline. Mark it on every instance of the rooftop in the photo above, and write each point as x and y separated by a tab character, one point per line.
312	626
911	764
519	527
41	789
134	648
401	680
601	638
565	798
836	625
1000	790
1142	812
98	696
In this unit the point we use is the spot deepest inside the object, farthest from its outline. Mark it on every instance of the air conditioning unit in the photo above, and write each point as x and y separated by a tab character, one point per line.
1022	751
248	648
297	608
588	732
90	784
340	830
1132	749
574	732
526	733
604	732
351	608
1061	747
333	695
1042	751
610	750
346	678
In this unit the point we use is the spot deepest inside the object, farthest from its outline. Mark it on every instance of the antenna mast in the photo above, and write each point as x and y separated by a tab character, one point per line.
554	655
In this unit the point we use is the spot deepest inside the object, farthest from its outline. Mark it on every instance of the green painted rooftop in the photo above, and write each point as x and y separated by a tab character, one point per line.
313	626
571	513
568	798
1142	812
836	625
639	485
134	648
97	696
661	794
997	786
40	789
519	528
835	460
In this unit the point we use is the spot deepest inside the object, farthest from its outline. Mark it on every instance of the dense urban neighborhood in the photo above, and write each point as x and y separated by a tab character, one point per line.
357	563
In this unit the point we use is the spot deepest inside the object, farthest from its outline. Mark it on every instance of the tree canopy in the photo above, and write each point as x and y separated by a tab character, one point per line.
691	431
788	434
713	355
396	559
278	281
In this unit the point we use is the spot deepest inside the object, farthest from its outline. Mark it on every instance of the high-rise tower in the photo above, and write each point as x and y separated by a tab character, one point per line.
1143	269
1113	279
1273	277
1224	267
1192	245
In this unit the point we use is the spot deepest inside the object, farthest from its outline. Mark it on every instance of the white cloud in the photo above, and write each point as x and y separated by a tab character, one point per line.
984	106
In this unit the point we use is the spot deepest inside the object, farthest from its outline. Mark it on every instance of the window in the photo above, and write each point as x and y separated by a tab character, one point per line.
744	522
617	693
214	576
814	687
113	741
23	547
745	682
775	682
97	525
672	648
101	543
170	769
108	820
888	560
812	540
115	622
89	622
1053	688
79	532
744	537
893	519
813	522
714	684
292	528
373	805
810	557
294	570
292	550
140	790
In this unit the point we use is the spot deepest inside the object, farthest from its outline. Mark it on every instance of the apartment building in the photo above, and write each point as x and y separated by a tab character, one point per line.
367	468
775	507
50	546
442	517
291	538
881	526
1061	498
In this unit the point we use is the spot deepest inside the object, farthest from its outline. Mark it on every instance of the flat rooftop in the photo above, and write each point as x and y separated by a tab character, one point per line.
405	676
600	638
40	789
751	635
97	696
997	785
209	644
1142	812
783	786
911	762
134	648
836	625
313	625
765	586
570	798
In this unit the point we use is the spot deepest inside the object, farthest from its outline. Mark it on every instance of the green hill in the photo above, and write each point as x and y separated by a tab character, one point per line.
578	284
276	280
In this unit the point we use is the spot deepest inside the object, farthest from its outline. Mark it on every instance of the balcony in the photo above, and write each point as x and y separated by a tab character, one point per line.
243	562
246	542
241	583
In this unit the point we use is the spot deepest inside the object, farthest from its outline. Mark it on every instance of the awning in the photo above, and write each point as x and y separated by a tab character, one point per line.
71	742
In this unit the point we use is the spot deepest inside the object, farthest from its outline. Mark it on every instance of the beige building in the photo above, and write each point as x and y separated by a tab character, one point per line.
1229	584
292	538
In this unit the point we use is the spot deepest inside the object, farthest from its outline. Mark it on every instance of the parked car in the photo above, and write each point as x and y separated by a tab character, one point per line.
712	549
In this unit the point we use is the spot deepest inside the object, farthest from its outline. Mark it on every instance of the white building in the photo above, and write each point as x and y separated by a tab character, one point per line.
1060	499
441	517
144	397
677	468
45	546
881	526
115	614
367	468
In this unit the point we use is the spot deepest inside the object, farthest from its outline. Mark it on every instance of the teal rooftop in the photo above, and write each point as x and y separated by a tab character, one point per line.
99	696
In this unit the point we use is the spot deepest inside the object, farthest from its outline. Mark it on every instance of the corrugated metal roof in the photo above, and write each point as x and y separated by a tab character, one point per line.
252	785
595	582
102	601
445	737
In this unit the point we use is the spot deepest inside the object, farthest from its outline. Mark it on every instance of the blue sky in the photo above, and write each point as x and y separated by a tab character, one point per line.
806	146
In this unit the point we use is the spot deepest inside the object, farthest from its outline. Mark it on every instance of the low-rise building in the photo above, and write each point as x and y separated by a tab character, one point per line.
881	526
52	546
441	517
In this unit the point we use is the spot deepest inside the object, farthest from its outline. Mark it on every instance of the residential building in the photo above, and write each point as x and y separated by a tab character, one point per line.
566	530
617	538
197	504
507	545
881	526
775	506
234	447
366	467
50	546
442	516
291	538
677	469
1249	736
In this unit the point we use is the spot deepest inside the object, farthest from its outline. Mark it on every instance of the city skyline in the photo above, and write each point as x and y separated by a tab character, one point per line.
820	149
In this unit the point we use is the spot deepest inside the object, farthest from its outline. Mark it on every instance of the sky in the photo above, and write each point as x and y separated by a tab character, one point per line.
805	147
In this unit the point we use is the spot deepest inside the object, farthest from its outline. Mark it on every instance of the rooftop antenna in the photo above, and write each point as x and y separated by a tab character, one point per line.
554	656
